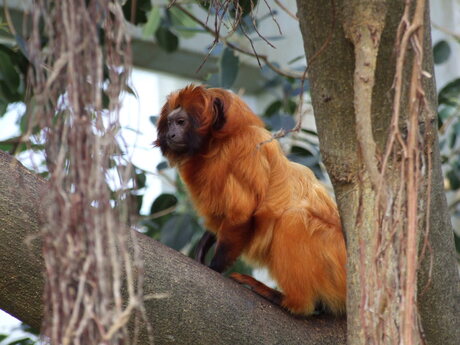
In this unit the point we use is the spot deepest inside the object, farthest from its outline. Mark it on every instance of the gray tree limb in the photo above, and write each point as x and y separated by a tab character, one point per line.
194	306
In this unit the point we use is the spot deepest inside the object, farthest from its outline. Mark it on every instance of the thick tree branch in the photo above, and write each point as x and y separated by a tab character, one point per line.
363	26
186	302
331	79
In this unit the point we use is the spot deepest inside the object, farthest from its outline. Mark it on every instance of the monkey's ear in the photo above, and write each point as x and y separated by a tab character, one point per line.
219	114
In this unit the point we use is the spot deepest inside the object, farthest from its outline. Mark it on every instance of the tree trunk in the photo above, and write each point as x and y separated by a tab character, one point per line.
331	75
186	302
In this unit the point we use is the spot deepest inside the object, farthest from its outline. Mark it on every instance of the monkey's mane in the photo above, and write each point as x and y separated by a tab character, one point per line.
198	102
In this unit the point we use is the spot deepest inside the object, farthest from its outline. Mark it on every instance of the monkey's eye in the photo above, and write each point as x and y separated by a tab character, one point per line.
180	122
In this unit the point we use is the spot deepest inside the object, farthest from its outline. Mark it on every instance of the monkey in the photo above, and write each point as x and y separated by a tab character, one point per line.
255	202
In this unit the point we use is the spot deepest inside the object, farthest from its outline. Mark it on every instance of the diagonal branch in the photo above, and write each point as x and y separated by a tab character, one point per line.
189	304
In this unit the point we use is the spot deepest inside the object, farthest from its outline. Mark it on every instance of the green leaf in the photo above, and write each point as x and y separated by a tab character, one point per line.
178	231
246	26
454	179
290	106
273	108
23	341
105	100
441	52
7	94
153	119
163	202
8	72
446	112
137	201
457	128
45	175
151	227
450	93
182	23
22	44
213	80
140	180
140	12
247	6
300	151
229	65
26	328
309	131
204	4
130	90
153	22
3	336
6	147
297	58
24	120
162	166
452	140
3	107
239	266
454	135
14	145
457	242
166	39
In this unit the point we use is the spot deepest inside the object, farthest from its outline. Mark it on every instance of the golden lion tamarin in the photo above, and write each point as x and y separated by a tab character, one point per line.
255	202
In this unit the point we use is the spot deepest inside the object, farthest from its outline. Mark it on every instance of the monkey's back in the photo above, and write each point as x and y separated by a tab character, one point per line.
296	230
298	237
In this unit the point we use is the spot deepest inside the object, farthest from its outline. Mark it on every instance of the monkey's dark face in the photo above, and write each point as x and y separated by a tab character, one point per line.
187	123
179	136
179	125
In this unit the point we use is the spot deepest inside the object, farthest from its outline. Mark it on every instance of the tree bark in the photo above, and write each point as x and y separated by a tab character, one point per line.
187	303
331	79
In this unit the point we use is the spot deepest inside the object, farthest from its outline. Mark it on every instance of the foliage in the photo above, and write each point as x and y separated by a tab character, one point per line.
28	336
449	134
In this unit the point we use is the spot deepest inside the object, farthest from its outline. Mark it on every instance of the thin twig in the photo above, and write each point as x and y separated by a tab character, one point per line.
225	41
446	31
272	15
282	133
285	9
9	21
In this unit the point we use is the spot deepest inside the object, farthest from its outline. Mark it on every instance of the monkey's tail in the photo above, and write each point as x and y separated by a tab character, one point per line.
261	289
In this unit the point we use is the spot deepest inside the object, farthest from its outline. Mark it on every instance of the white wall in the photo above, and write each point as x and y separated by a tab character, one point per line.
445	17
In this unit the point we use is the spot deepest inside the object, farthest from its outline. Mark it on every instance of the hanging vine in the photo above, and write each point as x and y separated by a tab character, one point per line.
388	307
80	54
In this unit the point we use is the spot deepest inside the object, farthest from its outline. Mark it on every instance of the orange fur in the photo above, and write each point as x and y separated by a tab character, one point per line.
259	204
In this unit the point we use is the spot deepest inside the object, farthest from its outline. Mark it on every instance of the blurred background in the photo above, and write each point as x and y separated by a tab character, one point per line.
173	47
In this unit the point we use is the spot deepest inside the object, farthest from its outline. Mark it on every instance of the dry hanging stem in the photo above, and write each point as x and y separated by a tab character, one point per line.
85	243
388	277
416	166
